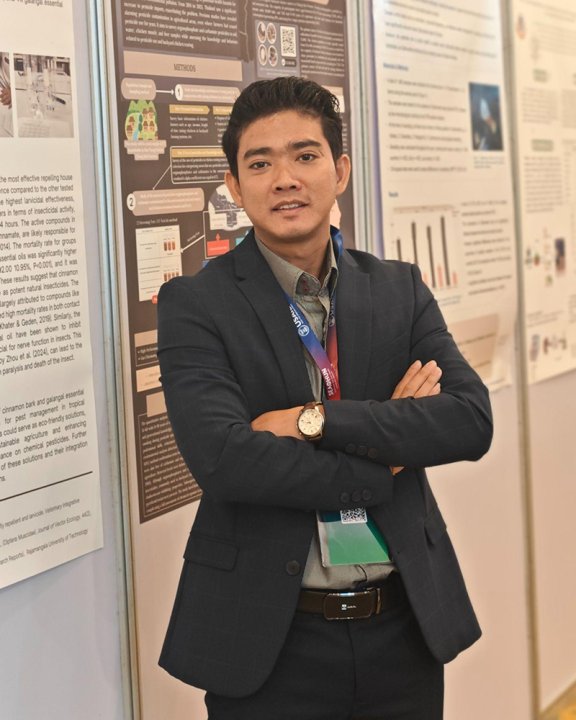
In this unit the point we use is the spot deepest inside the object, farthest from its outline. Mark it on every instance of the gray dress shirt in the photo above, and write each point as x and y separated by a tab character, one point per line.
313	298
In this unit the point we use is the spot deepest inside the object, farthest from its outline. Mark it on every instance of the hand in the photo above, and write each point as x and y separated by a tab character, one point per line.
282	423
418	381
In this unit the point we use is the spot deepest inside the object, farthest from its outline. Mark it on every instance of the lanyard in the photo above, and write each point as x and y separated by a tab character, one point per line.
325	359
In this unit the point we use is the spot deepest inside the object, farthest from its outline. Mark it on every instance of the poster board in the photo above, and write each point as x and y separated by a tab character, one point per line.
543	73
175	71
544	48
49	471
445	168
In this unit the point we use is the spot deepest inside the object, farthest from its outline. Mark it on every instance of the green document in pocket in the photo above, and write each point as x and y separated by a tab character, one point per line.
350	537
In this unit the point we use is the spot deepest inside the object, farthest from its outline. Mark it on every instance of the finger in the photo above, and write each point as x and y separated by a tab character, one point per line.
432	380
426	375
408	376
429	382
434	390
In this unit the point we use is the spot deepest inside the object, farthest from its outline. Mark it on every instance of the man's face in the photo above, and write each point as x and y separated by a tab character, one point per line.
287	179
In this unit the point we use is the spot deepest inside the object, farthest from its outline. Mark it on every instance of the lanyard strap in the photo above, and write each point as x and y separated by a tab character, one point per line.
325	359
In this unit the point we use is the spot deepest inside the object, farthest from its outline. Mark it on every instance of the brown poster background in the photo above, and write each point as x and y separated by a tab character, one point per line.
178	69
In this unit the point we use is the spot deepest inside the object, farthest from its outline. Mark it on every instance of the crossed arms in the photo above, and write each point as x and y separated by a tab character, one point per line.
418	381
211	380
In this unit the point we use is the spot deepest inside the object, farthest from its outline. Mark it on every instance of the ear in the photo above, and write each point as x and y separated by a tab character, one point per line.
343	168
234	187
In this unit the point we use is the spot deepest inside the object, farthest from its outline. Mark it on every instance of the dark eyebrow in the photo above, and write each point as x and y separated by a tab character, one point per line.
297	145
301	144
256	151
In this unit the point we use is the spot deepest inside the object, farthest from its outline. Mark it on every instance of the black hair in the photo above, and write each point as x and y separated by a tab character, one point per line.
266	97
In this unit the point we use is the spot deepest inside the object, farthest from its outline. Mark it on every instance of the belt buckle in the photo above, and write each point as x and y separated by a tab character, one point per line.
349	605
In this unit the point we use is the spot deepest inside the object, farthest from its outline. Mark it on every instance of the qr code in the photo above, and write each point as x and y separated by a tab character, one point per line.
288	41
357	515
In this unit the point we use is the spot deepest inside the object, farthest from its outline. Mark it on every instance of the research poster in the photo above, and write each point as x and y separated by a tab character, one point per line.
178	68
49	479
544	41
445	166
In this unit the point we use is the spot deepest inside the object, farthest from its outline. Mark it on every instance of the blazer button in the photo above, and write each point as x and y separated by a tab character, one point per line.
373	453
366	495
344	498
356	496
293	567
362	450
350	448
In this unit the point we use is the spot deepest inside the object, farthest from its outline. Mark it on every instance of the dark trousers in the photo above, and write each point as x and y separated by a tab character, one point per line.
374	669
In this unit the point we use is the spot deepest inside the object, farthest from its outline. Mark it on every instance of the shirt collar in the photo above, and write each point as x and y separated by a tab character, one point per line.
292	279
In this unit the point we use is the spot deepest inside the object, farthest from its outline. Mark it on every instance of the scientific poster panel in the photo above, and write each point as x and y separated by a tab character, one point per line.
176	69
49	479
544	41
445	166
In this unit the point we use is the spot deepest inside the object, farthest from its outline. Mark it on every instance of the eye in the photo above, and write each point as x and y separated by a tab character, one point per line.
258	165
307	157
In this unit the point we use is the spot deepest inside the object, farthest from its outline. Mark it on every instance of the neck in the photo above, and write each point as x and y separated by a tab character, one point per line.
310	259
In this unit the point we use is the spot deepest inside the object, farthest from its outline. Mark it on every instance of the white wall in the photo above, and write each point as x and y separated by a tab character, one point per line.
552	453
482	504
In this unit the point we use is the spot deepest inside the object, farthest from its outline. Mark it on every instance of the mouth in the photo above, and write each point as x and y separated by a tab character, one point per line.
288	206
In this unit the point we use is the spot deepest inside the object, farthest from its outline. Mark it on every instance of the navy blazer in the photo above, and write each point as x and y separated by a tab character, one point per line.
228	352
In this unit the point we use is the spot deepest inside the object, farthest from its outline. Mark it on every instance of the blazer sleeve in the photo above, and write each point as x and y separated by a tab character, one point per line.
210	418
419	432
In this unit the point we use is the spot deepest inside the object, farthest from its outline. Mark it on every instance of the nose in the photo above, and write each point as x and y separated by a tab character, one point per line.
285	178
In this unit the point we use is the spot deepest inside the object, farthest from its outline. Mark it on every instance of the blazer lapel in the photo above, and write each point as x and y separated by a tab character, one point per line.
353	322
261	289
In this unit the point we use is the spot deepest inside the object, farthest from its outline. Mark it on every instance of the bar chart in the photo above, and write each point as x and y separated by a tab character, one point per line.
426	236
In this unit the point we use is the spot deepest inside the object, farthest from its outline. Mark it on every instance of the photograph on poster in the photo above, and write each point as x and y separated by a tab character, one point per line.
277	48
545	265
43	96
485	117
6	125
141	121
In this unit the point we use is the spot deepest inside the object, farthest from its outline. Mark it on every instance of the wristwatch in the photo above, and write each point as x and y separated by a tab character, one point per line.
311	421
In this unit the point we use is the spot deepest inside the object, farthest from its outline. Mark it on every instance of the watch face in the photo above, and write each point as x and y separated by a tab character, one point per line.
311	422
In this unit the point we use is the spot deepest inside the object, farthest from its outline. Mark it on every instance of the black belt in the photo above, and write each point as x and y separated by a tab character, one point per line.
356	604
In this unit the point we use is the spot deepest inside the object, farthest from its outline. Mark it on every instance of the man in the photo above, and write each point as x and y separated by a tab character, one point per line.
279	432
